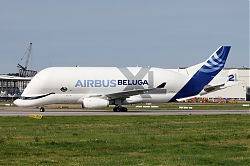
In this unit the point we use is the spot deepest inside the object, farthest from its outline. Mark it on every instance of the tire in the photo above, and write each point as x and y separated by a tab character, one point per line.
124	109
42	109
119	109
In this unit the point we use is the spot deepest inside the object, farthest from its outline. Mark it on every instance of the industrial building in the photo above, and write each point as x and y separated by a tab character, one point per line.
11	87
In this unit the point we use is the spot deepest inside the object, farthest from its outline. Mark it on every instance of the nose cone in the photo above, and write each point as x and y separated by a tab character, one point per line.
17	102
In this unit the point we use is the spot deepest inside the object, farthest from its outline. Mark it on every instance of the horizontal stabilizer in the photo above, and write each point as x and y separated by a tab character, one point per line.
209	88
231	80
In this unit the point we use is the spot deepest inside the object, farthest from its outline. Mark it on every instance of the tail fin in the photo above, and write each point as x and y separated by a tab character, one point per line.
203	73
215	63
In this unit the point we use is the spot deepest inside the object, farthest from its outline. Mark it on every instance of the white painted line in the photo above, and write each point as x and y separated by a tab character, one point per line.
154	106
146	106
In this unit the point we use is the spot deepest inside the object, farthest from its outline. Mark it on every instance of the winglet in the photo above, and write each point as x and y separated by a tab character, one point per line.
162	85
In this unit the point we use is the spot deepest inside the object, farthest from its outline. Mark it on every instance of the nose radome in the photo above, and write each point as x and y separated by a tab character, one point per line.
16	102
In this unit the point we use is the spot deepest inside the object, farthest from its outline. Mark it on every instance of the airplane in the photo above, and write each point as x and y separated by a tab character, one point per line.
97	87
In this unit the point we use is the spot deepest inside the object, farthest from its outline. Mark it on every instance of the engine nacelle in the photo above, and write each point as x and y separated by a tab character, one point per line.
95	103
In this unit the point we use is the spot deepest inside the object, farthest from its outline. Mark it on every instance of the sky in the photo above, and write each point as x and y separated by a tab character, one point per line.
161	33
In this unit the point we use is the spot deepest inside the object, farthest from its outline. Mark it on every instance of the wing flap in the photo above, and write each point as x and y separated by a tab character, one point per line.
126	94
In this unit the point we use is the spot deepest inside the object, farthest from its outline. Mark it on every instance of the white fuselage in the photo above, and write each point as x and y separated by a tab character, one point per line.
83	82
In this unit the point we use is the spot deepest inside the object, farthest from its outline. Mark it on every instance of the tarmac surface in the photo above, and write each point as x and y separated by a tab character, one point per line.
26	111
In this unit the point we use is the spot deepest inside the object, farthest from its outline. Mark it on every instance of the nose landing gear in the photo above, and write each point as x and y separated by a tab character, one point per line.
42	109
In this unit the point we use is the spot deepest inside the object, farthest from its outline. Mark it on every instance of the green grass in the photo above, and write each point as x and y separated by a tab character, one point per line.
125	140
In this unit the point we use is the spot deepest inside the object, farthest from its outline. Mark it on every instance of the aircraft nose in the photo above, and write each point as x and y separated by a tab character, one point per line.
16	102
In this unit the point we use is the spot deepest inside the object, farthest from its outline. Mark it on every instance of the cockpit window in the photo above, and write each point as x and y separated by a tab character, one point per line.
63	89
25	98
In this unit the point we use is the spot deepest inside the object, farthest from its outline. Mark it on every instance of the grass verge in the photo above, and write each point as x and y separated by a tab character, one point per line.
125	140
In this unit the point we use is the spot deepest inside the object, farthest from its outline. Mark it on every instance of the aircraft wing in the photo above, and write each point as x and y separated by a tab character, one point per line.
126	94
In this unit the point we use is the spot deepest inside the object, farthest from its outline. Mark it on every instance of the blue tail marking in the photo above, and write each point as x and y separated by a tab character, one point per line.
205	74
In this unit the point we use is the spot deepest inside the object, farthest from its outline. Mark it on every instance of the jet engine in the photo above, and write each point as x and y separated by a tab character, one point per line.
95	103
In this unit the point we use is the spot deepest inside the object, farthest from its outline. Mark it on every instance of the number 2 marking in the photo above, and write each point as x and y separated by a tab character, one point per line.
231	77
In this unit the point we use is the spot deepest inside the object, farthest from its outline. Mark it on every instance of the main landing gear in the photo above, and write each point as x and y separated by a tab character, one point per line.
42	109
118	106
120	109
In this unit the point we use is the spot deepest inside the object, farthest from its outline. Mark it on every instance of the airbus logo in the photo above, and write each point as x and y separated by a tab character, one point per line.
109	83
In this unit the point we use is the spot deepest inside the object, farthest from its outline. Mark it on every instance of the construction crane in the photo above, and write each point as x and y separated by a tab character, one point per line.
23	72
27	59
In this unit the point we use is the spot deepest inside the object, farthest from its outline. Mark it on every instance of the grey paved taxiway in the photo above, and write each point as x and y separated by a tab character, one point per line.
22	111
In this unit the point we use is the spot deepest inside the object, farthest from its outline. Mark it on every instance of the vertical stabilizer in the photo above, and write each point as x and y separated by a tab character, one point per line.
216	62
203	73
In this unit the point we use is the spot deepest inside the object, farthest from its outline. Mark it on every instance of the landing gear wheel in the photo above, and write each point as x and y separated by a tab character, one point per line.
124	109
115	109
120	109
42	109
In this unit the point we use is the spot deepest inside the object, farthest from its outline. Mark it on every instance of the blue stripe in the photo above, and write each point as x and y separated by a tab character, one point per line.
220	50
204	75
